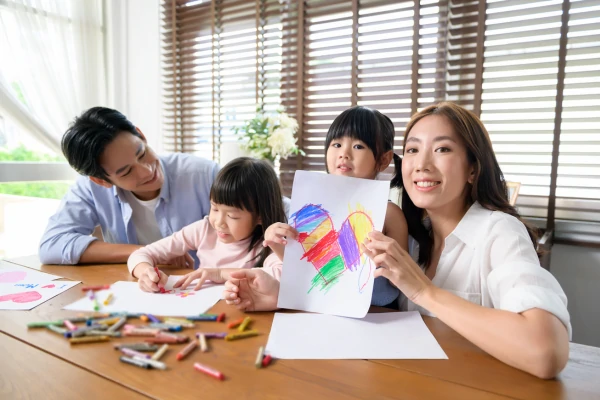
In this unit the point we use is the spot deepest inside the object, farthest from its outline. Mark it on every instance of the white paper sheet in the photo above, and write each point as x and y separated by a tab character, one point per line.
25	295
396	335
128	297
11	273
325	270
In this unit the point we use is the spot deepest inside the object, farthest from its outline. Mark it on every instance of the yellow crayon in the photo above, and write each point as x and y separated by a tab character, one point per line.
108	299
242	335
89	339
244	324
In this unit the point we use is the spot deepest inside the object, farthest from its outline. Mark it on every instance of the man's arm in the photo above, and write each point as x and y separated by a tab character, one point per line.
67	237
99	252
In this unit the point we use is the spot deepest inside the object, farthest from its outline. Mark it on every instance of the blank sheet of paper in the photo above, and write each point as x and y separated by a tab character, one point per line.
128	297
395	335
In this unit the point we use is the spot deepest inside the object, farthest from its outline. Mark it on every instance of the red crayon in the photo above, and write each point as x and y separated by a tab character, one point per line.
209	371
266	361
160	287
221	317
97	287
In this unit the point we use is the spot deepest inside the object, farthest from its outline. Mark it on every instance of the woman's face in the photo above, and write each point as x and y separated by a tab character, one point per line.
435	168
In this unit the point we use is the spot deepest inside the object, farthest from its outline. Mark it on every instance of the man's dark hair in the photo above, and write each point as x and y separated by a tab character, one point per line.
88	136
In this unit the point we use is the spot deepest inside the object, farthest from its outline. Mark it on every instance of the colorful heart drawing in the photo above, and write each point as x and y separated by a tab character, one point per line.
24	297
12	276
50	286
333	252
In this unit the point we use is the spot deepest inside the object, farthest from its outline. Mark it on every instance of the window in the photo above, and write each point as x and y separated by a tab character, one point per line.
528	68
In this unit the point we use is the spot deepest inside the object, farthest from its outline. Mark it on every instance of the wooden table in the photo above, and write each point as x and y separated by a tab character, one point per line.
468	374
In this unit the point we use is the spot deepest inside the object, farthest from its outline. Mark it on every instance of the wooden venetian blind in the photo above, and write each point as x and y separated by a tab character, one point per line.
528	68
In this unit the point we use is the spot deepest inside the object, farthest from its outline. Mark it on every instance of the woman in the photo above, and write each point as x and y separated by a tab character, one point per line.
477	268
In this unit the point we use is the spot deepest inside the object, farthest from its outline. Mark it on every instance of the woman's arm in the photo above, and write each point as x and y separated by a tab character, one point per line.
534	341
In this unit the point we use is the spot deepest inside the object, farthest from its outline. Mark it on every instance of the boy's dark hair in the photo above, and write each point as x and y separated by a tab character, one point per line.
85	140
371	127
251	185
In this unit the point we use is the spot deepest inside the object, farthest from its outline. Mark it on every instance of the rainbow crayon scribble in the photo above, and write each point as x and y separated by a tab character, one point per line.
332	252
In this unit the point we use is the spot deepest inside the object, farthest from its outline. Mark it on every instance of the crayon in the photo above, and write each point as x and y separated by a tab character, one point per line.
242	335
212	335
187	350
235	324
137	346
259	357
160	352
203	344
152	363
108	299
209	371
136	362
89	339
266	361
244	324
96	287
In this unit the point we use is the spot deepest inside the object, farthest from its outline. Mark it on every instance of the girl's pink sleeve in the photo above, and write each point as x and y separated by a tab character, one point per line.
164	250
272	266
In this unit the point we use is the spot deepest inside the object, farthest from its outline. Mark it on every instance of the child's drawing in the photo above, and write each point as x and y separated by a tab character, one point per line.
333	252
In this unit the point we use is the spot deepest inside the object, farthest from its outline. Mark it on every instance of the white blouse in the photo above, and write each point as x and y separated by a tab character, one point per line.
489	260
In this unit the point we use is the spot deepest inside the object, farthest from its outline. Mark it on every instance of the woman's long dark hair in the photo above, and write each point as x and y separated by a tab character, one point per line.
252	185
489	186
372	128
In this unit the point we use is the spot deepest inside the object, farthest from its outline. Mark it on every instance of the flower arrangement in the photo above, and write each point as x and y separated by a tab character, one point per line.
269	137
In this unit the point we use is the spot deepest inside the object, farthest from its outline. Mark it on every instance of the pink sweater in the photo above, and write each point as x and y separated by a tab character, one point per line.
212	253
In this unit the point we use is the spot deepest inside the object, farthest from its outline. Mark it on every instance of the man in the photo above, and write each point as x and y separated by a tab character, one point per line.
134	195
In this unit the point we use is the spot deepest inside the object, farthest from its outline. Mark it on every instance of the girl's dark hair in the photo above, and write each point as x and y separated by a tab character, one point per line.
488	188
252	185
85	140
371	127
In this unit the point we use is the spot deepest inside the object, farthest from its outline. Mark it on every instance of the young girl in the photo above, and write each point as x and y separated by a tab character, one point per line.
477	270
359	144
244	197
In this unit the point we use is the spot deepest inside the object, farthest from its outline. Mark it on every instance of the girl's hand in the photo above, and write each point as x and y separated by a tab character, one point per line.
216	275
278	233
396	265
148	280
184	261
252	290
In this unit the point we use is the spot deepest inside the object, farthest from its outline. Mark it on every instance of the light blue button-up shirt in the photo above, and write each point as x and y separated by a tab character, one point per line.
183	199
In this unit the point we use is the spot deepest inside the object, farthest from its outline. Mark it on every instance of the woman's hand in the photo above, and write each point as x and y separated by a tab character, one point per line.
252	290
396	265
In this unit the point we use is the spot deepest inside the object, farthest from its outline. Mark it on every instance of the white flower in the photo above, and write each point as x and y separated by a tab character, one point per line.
285	121
282	142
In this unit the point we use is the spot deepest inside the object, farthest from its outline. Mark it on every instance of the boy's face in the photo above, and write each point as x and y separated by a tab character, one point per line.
131	165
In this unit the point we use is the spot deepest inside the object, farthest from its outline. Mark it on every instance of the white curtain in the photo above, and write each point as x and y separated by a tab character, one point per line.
51	63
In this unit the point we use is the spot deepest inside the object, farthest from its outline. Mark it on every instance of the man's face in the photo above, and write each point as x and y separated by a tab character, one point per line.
131	165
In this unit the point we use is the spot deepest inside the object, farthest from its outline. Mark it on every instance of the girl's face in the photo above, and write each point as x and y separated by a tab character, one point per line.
435	168
232	224
351	157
